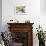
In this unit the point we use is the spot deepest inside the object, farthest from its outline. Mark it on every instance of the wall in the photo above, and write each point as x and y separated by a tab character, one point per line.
35	14
43	14
43	6
0	15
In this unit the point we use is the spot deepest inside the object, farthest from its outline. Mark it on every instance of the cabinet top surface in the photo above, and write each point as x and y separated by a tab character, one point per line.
19	23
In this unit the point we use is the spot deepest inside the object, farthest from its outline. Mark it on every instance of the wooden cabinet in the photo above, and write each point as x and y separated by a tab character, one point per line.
22	33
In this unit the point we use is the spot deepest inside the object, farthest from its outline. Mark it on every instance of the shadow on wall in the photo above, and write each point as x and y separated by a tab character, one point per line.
43	6
0	15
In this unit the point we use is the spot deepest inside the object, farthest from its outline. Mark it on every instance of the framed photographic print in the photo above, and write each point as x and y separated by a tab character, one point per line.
20	10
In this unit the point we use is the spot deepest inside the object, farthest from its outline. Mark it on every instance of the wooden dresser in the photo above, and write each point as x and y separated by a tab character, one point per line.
22	33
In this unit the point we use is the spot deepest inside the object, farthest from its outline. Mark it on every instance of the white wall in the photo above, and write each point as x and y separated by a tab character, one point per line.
43	14
43	6
33	9
0	15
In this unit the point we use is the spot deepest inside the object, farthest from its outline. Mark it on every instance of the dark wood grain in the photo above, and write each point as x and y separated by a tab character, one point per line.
23	27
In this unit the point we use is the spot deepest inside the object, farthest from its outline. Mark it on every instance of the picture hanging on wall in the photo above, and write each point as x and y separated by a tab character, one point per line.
20	9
